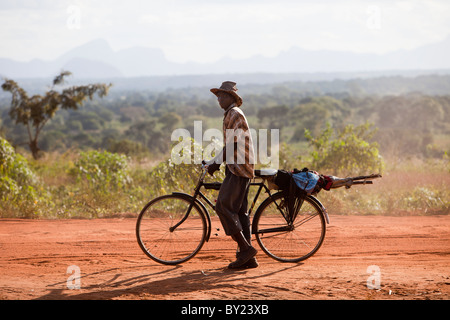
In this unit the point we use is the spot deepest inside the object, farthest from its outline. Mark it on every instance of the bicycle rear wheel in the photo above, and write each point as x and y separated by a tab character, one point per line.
157	236
285	241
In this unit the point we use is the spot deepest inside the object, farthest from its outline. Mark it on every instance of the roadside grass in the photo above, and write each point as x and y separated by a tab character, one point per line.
410	187
413	187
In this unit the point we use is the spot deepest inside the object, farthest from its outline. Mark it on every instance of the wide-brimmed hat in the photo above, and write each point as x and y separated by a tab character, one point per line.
229	87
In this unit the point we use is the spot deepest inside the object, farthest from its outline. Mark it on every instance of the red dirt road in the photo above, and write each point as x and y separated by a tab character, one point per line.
412	254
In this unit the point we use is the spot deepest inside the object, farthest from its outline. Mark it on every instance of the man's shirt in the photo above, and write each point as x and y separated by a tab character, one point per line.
238	142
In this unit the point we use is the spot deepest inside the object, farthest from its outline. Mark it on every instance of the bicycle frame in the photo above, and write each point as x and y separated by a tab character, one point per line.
216	186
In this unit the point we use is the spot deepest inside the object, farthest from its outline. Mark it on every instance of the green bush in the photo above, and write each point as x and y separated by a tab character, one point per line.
21	194
101	185
14	171
102	171
171	176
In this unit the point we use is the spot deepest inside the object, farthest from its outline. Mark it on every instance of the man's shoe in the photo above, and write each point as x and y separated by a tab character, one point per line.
252	263
243	258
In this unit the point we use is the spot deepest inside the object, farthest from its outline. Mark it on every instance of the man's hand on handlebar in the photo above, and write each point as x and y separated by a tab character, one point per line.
211	166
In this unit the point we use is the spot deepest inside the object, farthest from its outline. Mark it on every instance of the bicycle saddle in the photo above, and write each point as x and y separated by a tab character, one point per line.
265	172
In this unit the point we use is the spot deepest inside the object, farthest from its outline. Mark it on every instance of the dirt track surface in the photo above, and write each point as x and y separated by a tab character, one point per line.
412	254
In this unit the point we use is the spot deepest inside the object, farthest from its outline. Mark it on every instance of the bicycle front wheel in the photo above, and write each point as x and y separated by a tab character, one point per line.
171	229
284	240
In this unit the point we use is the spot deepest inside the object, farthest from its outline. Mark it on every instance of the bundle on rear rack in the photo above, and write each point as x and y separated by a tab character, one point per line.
311	182
301	183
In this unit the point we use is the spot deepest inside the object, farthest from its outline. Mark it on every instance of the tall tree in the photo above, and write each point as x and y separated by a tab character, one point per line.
34	112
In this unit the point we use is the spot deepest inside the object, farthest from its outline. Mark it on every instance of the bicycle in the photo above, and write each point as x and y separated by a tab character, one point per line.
171	229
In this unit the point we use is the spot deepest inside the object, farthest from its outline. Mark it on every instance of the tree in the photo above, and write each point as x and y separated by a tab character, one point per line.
169	121
35	112
277	115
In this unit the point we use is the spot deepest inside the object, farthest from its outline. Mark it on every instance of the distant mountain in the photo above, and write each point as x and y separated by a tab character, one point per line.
96	59
427	57
91	68
87	61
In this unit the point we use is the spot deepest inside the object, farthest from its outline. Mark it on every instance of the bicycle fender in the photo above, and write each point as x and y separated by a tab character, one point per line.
202	207
321	206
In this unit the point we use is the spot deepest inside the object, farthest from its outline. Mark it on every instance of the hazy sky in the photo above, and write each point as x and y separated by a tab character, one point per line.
205	31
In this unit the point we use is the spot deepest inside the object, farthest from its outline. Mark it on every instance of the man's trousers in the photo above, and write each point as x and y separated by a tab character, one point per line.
232	203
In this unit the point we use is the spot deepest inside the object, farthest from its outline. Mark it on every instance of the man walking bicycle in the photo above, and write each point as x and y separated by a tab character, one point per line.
238	154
